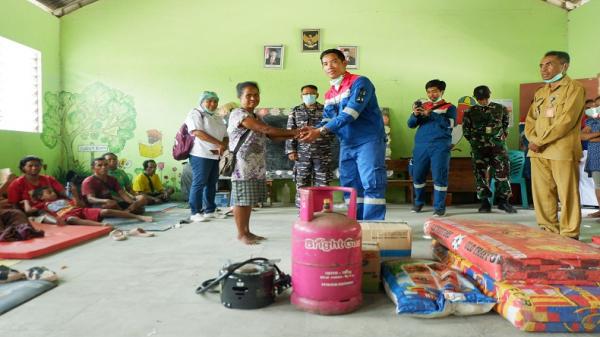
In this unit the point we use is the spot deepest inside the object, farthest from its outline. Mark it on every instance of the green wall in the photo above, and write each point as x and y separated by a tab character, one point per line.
163	53
583	32
27	24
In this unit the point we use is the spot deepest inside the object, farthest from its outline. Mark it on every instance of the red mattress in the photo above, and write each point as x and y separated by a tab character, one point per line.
56	238
514	252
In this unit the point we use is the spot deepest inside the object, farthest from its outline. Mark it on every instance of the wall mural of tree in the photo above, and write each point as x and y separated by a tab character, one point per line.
98	115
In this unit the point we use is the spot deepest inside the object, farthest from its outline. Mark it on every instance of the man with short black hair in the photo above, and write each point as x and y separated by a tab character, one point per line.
485	126
115	171
148	184
103	191
434	119
351	112
312	161
553	130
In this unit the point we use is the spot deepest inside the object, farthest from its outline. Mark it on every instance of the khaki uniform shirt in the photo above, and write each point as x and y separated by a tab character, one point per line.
554	120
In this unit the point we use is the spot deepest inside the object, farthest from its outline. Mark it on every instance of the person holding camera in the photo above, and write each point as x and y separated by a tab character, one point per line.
434	120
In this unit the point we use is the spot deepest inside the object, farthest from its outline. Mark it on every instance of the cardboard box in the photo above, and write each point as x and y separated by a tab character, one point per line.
394	238
371	266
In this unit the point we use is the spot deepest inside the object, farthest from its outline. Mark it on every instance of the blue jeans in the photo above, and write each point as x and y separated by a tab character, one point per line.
205	175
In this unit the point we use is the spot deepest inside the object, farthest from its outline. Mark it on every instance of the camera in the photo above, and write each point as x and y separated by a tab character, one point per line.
418	104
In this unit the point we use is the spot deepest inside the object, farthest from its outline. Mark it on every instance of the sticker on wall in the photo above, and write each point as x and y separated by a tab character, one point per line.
154	147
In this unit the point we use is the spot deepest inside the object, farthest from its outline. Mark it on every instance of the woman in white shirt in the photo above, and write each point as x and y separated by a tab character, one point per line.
209	130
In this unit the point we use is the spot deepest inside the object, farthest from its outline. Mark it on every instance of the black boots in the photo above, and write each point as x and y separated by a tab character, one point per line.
485	206
506	206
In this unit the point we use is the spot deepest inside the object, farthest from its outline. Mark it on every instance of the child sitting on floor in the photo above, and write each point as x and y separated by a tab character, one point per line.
73	212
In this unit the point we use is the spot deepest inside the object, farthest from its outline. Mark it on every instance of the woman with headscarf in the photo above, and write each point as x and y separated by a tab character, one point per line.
209	143
248	181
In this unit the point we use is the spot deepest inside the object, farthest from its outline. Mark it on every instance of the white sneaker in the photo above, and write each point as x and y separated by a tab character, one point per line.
214	215
198	218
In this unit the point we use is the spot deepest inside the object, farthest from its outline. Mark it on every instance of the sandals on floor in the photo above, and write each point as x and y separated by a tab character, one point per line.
41	273
140	232
118	235
9	275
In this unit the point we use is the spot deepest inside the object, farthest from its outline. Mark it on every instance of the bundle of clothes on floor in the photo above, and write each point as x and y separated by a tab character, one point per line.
15	226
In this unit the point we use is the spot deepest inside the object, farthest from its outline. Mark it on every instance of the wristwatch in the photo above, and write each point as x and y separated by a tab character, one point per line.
323	131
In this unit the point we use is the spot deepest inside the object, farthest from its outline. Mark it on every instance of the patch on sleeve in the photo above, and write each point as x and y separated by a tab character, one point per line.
361	95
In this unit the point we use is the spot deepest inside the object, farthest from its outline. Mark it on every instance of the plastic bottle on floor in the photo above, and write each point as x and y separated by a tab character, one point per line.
285	194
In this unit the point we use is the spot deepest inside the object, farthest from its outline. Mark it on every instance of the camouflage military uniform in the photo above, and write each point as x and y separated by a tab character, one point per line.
486	128
314	164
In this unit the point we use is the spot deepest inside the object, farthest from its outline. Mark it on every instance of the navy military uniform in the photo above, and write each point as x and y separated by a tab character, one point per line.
486	128
314	164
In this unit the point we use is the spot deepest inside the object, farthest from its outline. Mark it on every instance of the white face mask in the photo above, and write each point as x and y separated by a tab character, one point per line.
309	99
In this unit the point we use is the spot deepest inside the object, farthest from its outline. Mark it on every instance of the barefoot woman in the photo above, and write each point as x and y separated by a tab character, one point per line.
248	181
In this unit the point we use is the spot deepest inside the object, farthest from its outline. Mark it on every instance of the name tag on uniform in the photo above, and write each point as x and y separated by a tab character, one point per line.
549	113
488	129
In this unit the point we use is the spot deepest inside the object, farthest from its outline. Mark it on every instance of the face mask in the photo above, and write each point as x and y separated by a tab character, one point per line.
309	99
437	99
555	78
592	112
210	112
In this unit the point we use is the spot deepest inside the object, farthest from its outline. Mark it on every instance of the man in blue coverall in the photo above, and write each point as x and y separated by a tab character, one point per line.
435	120
351	112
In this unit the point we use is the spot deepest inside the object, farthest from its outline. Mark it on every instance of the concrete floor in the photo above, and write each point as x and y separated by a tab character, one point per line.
145	287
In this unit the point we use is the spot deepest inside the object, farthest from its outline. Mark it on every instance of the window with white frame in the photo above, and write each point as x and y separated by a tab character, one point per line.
20	87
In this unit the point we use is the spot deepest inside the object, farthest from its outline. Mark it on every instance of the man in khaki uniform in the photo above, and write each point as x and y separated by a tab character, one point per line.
552	128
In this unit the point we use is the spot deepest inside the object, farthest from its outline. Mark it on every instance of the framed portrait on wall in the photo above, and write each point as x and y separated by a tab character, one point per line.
311	40
351	54
273	56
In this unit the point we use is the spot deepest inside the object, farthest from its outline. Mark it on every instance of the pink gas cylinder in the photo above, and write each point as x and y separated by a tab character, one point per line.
326	254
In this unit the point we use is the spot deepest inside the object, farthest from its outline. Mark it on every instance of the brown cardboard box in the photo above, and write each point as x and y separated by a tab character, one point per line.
371	265
394	238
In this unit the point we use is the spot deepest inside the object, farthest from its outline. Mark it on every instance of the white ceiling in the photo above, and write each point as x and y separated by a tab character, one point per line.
64	7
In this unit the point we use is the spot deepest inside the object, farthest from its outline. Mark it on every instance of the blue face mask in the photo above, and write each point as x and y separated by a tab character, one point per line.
309	99
555	78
